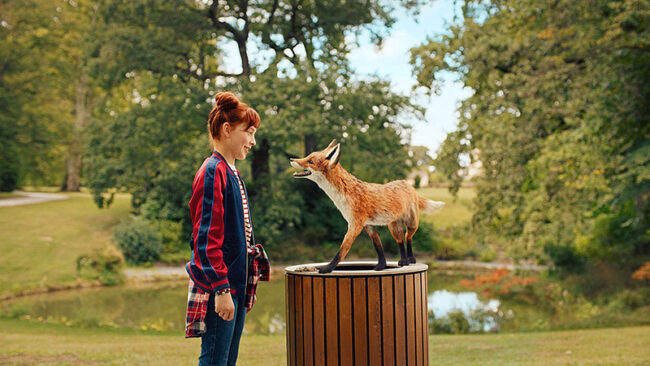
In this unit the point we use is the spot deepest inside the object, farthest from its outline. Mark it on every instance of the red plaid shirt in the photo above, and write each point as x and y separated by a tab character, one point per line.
197	299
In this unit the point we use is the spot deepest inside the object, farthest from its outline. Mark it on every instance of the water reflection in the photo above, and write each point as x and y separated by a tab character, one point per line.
162	307
147	307
477	313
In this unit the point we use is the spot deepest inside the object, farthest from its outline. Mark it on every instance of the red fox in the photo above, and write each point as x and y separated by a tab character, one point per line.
366	205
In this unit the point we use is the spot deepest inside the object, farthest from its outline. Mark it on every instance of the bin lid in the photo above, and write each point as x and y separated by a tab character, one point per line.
355	268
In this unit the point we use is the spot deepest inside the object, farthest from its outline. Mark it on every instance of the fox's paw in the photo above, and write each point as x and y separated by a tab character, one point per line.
403	262
326	269
380	266
411	260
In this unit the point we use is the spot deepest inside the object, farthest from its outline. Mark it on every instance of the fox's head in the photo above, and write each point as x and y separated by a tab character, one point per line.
318	161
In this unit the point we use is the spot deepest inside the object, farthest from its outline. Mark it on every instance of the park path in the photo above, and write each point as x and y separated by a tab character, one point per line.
179	272
30	197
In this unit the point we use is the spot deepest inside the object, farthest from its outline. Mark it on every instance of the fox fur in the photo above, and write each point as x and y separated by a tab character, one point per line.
366	205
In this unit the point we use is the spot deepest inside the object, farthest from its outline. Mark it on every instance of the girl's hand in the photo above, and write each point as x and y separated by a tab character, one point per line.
224	306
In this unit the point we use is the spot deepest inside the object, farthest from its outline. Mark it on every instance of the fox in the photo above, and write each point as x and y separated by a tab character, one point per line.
366	205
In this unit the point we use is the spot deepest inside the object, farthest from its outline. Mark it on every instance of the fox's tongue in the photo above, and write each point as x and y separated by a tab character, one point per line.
302	174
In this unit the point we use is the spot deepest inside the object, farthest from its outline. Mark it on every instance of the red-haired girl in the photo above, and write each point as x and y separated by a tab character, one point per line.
225	264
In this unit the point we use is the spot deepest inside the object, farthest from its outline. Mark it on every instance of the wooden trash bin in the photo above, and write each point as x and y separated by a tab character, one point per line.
357	316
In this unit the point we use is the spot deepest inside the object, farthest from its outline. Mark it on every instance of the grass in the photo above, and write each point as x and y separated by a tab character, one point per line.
457	210
41	242
452	223
78	346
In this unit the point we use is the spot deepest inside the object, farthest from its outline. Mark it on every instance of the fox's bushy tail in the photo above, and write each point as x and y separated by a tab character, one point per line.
430	206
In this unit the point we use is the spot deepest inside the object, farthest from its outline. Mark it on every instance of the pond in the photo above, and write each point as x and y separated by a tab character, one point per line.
161	306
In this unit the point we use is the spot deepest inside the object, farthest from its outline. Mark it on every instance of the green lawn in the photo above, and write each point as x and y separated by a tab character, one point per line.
456	212
22	345
41	242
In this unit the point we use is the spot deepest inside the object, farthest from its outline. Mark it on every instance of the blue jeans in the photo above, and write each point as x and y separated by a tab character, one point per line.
220	343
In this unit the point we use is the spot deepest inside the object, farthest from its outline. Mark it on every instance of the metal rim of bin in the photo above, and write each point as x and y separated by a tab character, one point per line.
392	268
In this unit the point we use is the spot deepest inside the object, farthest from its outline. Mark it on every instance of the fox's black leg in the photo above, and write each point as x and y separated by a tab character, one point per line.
381	259
353	232
404	259
409	252
330	267
410	231
396	229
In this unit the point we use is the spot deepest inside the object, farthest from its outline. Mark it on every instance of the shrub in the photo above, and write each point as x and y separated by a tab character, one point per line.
139	241
425	239
174	250
104	265
565	258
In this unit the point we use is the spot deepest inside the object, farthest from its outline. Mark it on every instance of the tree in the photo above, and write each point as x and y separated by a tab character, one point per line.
32	112
183	38
163	63
47	95
560	117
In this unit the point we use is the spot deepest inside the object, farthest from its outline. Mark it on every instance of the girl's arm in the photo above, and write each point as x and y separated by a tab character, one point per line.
209	213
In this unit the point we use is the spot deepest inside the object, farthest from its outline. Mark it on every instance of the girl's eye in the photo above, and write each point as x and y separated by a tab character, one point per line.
311	161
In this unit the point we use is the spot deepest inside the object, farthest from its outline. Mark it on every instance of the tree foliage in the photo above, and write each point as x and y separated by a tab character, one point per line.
46	95
164	61
560	117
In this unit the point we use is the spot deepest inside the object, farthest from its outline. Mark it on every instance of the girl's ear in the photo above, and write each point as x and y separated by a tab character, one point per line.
226	129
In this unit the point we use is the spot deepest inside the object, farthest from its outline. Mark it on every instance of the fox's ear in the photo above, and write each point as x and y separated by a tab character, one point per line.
331	144
334	155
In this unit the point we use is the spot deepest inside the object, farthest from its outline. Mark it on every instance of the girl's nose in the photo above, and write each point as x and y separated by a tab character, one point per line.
254	143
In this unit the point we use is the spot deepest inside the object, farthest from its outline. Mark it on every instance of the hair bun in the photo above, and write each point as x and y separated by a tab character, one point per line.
226	101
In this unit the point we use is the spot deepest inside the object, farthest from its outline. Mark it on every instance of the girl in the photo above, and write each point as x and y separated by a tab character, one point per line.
224	259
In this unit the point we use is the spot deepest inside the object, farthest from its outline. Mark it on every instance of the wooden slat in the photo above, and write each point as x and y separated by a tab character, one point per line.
410	320
308	321
388	320
374	322
345	322
319	321
400	321
299	321
291	321
331	324
417	298
425	302
360	323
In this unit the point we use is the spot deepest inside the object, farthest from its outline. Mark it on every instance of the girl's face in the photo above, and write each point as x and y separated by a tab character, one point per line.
241	140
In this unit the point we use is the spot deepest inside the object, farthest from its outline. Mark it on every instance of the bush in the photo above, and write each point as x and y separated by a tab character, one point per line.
174	250
103	265
424	240
139	241
565	258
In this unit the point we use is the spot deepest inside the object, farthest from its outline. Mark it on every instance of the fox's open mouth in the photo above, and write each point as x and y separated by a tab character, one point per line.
304	173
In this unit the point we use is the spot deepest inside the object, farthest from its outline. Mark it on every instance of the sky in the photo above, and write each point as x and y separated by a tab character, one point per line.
391	62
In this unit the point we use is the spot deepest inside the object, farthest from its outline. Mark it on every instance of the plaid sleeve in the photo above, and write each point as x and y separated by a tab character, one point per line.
197	309
258	270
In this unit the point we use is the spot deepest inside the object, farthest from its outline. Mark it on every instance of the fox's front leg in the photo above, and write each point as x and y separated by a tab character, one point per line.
353	232
376	241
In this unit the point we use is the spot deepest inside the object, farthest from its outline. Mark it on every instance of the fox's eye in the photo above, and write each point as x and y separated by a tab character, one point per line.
311	161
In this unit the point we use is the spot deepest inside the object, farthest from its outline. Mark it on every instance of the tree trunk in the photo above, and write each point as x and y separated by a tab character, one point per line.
260	163
310	144
75	146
